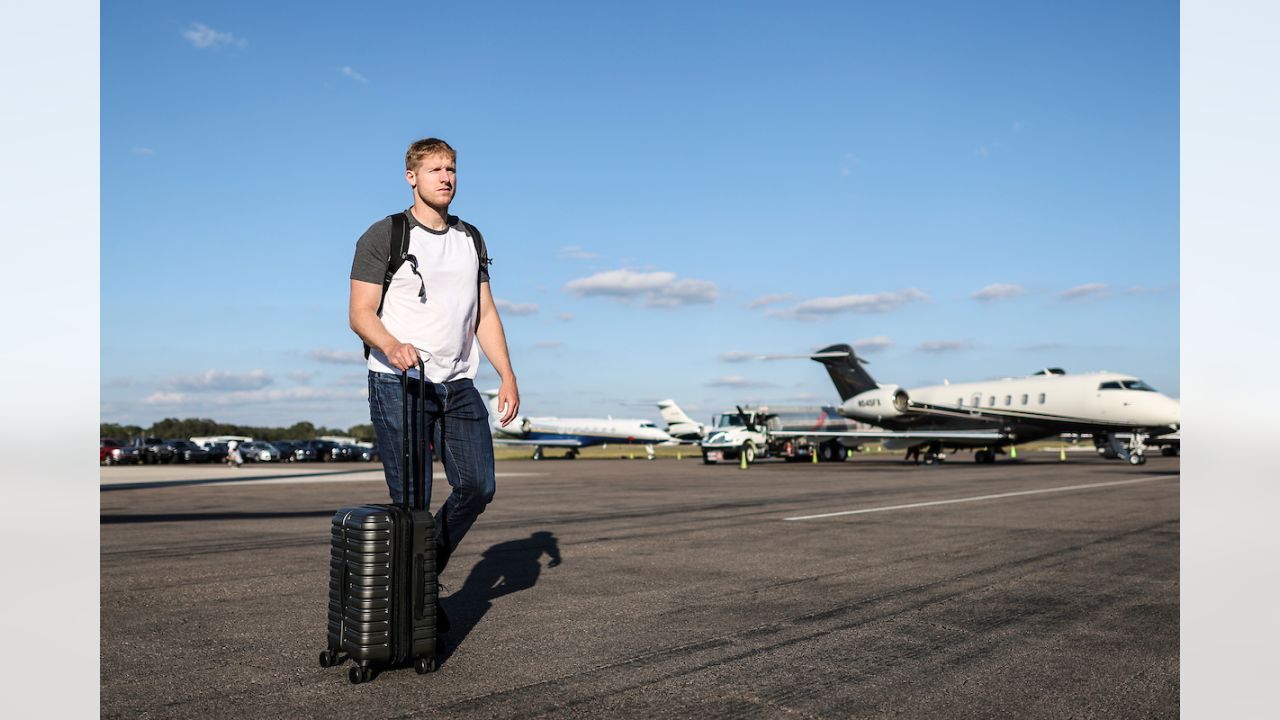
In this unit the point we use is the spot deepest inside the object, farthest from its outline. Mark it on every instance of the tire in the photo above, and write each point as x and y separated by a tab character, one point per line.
425	665
749	450
1137	459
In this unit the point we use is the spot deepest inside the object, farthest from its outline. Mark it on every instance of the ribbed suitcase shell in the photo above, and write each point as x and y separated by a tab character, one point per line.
382	584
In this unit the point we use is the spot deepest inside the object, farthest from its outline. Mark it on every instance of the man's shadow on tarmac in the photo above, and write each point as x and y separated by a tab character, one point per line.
505	568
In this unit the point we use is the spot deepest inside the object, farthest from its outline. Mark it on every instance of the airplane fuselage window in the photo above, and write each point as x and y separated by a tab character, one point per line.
1041	398
959	402
1008	400
991	401
1024	398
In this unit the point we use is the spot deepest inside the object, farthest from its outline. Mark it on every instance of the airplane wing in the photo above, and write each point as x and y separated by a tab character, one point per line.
897	434
559	442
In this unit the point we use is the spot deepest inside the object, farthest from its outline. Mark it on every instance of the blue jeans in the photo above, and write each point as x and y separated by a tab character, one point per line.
458	427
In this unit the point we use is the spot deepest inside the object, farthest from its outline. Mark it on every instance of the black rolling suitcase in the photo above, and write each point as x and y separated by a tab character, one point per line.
382	576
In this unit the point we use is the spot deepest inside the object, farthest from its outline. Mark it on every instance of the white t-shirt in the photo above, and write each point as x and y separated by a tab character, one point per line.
442	325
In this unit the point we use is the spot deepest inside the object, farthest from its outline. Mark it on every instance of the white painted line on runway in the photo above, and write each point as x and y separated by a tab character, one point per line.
983	497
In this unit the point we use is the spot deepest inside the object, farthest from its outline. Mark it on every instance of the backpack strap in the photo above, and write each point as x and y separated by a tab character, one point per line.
482	255
397	250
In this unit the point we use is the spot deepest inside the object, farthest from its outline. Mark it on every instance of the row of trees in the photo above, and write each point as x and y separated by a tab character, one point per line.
201	427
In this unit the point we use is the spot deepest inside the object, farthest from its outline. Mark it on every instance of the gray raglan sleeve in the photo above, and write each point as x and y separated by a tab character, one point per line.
373	251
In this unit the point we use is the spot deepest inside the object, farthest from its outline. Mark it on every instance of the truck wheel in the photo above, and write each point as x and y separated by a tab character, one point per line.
749	449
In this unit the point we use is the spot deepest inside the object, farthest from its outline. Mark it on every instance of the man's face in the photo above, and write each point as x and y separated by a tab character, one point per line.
435	180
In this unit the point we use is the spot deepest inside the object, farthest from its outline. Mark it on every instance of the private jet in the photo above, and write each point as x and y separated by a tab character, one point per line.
572	433
1121	411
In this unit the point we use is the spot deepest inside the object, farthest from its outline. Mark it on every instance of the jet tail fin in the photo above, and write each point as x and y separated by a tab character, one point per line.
672	413
845	369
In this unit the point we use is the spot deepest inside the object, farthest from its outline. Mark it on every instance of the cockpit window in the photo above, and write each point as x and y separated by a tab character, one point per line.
1113	385
1137	385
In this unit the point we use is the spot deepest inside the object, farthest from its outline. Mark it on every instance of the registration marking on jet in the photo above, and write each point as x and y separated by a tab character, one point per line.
976	498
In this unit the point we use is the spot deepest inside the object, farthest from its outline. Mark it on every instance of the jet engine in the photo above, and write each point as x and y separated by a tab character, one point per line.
886	401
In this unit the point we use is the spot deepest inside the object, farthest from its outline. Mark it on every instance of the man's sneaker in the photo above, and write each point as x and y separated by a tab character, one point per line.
442	620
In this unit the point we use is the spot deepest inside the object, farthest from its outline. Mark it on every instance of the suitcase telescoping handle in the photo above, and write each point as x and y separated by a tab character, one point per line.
418	479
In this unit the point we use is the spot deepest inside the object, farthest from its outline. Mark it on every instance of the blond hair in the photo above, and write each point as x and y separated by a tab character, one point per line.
419	149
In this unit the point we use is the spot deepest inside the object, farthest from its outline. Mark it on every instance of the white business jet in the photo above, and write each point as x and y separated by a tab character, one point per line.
1121	411
572	433
679	425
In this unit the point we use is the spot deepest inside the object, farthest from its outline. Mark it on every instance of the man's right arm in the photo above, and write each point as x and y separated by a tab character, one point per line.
363	317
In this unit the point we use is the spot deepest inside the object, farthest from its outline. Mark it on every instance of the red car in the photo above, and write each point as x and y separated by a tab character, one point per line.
114	452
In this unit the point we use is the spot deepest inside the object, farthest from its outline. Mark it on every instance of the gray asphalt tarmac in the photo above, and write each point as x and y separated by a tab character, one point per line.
681	590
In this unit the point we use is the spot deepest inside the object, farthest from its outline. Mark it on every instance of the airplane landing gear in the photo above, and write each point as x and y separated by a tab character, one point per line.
984	456
573	453
537	453
648	449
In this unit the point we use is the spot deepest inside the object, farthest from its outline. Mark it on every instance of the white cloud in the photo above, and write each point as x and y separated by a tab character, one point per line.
878	303
221	380
165	398
1143	290
768	300
944	346
575	252
737	381
875	344
657	289
999	291
302	377
737	356
203	36
511	308
347	71
1084	292
338	357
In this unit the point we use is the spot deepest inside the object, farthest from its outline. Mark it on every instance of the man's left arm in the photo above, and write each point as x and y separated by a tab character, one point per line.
493	341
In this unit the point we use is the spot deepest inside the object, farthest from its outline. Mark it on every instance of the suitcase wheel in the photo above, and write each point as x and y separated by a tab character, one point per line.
357	674
425	665
328	658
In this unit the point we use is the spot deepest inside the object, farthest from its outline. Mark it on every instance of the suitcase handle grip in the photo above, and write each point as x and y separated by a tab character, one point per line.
419	480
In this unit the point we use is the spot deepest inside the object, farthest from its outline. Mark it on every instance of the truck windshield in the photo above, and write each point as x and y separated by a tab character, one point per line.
729	421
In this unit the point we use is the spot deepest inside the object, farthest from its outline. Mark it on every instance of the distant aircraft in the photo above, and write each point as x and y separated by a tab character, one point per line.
989	416
679	425
572	433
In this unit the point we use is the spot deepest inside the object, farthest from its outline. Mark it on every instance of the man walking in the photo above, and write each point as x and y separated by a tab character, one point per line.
420	290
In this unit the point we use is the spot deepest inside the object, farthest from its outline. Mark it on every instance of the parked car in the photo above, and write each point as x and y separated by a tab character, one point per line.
217	452
114	452
153	450
188	452
368	454
285	448
303	452
258	451
324	449
346	452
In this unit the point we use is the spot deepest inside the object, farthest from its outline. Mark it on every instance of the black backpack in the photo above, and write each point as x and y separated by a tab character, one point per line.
400	251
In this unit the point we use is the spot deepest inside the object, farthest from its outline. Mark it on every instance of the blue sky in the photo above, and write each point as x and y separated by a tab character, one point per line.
661	187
